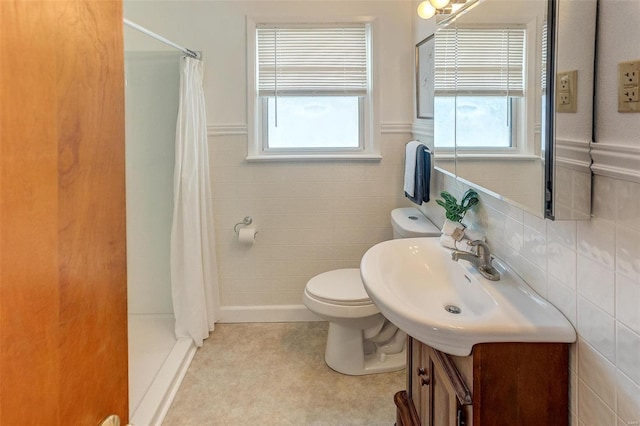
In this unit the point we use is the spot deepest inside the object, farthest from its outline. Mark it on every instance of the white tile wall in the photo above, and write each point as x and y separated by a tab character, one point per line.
627	399
311	217
593	411
590	270
596	284
628	301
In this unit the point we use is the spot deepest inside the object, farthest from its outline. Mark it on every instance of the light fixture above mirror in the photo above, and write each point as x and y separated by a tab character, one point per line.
429	8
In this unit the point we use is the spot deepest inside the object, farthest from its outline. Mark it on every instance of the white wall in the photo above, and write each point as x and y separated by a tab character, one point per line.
618	42
618	134
573	41
217	28
589	269
311	216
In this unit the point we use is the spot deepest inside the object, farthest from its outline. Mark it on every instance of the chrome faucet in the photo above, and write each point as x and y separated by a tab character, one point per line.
482	260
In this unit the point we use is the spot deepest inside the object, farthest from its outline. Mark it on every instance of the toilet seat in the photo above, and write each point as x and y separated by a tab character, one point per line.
341	287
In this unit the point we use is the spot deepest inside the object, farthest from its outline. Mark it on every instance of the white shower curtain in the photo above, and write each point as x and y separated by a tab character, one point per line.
194	274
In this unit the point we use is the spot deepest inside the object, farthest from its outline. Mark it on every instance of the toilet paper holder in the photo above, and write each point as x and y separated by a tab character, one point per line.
246	221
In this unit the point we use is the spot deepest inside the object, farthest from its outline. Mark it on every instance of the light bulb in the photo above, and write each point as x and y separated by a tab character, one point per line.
426	10
439	4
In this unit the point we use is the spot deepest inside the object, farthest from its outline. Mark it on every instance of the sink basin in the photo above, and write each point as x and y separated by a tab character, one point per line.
449	306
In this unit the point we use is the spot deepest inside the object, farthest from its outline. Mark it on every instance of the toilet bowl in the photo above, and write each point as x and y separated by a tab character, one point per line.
360	339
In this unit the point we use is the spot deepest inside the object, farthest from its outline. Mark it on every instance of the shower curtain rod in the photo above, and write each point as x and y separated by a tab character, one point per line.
158	37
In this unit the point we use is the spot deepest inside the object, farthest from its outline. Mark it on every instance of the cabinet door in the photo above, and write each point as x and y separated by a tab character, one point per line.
419	379
447	392
435	387
443	399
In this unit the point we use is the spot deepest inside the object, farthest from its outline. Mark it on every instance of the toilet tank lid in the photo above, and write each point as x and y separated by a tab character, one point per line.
341	285
412	223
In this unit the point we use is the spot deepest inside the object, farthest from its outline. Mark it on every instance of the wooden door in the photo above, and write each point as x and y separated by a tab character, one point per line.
63	332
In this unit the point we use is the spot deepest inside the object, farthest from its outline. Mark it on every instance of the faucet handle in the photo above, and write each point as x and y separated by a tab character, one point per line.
482	249
473	248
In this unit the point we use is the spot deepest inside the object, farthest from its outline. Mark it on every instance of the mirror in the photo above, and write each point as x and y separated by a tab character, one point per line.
495	123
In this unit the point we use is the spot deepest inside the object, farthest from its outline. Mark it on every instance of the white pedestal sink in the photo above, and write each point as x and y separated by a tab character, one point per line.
449	306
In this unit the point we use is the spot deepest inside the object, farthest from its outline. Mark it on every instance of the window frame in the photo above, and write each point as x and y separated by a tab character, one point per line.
256	114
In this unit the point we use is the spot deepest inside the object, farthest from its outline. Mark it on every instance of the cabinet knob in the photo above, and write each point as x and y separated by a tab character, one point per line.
425	378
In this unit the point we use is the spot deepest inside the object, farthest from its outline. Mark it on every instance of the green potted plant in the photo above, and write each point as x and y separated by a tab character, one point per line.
455	212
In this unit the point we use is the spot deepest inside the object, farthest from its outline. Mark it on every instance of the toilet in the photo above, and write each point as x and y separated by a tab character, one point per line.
360	339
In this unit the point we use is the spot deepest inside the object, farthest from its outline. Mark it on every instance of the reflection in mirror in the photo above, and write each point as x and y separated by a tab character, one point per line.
444	105
493	126
489	99
570	164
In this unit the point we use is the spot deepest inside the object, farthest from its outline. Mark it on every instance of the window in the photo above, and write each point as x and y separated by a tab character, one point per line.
311	92
484	122
479	87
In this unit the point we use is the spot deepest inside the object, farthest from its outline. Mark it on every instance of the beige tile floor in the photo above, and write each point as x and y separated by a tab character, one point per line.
274	374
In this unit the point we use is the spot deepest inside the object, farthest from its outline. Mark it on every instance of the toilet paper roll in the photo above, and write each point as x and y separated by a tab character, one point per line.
247	235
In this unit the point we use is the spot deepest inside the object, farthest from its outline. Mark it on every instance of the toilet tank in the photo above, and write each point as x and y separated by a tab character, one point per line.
409	222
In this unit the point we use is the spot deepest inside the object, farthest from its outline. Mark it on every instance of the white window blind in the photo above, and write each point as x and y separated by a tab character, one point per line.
480	61
316	61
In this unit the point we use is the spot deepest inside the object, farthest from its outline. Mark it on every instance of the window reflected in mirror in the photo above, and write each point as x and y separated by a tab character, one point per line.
488	103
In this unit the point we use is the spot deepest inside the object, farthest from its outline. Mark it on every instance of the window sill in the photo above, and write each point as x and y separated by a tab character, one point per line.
314	157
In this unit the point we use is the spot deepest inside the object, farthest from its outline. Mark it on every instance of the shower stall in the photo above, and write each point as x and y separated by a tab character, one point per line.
157	360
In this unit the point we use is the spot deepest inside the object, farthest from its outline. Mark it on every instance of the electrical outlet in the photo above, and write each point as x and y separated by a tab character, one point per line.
628	86
631	78
631	94
629	72
567	91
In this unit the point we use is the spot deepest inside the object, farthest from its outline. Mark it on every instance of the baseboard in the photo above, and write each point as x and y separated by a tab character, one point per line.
266	313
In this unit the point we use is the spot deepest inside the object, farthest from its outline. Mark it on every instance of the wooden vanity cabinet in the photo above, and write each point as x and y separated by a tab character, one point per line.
498	384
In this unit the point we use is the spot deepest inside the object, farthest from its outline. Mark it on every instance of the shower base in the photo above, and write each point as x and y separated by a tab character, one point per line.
157	364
